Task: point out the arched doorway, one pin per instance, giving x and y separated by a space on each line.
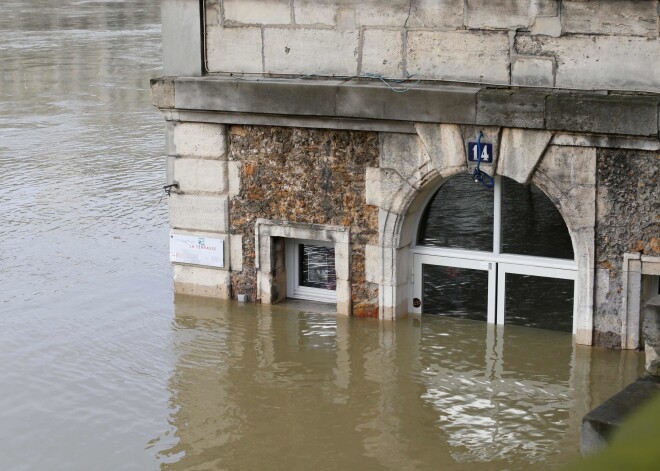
504 256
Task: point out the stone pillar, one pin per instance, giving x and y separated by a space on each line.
652 335
182 38
197 163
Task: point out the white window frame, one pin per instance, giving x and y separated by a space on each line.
497 264
293 288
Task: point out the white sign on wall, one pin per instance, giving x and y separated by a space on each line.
197 250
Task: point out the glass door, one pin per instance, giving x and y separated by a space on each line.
454 287
503 256
534 296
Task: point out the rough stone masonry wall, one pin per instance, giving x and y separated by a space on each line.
627 222
597 44
309 176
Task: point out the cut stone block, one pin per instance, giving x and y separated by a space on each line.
263 12
507 14
598 62
404 153
193 212
200 281
235 50
444 145
204 140
382 52
614 17
474 56
547 26
313 12
520 152
200 175
532 72
310 51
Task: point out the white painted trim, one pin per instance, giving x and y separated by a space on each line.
634 267
473 264
293 288
338 236
558 263
497 215
543 272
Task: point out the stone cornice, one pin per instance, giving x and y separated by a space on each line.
372 105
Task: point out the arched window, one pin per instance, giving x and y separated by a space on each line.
502 255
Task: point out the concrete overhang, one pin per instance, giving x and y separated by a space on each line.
373 105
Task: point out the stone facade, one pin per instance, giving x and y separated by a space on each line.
304 176
573 44
627 222
277 119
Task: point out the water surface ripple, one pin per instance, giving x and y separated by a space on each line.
101 370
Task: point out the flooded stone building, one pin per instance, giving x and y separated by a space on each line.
492 160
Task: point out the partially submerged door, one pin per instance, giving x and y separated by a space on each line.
503 256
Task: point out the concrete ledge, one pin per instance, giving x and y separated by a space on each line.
599 424
370 105
609 114
329 98
511 108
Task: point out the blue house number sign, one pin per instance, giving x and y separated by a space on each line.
486 152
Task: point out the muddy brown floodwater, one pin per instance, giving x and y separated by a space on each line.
102 369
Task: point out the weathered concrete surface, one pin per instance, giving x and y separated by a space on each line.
424 103
292 51
162 92
507 14
199 212
652 336
511 108
235 49
479 41
459 55
548 26
599 424
596 62
520 153
433 103
617 114
615 17
305 176
533 71
444 145
201 281
382 52
200 175
258 11
626 222
181 33
201 140
405 154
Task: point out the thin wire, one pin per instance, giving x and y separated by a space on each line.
257 76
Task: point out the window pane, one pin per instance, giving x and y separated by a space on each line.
531 224
317 267
534 301
455 292
460 215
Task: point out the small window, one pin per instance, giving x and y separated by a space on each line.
310 267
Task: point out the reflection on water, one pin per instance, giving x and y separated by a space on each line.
296 387
100 371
